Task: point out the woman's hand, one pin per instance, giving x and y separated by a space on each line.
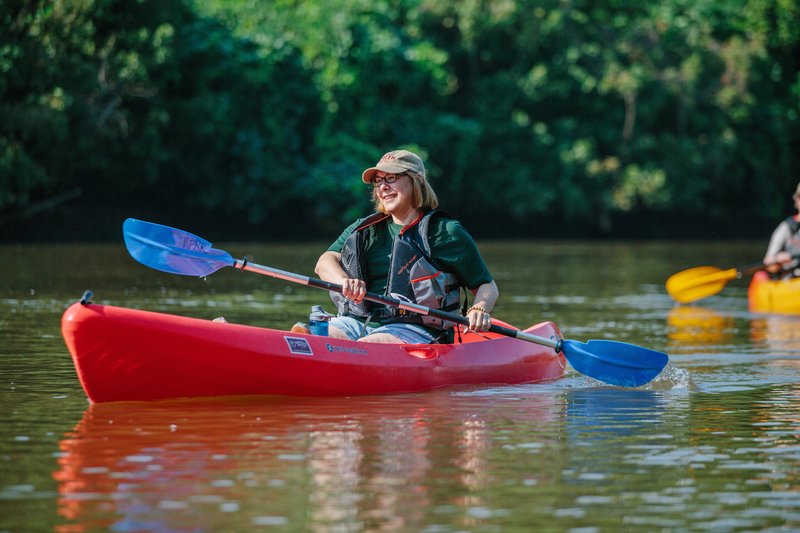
329 268
478 315
479 319
353 289
773 263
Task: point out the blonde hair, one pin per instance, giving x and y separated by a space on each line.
422 197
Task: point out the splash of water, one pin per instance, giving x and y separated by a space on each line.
672 377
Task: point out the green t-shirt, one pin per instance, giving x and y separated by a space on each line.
452 249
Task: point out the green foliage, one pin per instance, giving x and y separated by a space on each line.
244 109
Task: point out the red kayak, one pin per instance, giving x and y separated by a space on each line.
125 354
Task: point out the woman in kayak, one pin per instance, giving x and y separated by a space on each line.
783 253
408 250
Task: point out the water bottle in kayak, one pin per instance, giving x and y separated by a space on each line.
318 321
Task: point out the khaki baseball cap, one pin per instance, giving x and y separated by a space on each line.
396 162
797 192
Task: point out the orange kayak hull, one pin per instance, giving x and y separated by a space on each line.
774 296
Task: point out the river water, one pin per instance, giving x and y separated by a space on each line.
713 444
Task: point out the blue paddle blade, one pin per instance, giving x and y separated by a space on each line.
172 250
616 363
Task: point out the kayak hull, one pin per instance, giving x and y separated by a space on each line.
125 354
774 296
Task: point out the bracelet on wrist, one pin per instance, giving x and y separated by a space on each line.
476 308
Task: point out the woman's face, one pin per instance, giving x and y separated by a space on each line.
397 196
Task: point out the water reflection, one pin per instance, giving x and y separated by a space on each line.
698 326
776 333
612 412
249 461
693 329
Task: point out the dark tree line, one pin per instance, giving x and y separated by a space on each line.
537 118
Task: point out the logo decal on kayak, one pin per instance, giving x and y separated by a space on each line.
332 348
298 345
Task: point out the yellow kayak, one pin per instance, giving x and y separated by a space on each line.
774 296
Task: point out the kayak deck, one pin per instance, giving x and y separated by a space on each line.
124 354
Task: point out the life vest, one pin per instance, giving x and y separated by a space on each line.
793 245
794 226
413 275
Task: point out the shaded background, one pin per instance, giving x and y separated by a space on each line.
253 120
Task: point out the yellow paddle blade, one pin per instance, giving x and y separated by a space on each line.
698 283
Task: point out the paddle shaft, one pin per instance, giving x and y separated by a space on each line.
750 269
555 344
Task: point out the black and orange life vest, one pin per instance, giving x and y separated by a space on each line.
413 275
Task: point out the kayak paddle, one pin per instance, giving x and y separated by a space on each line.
178 252
701 282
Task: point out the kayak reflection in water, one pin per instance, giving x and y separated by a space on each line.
409 250
783 253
